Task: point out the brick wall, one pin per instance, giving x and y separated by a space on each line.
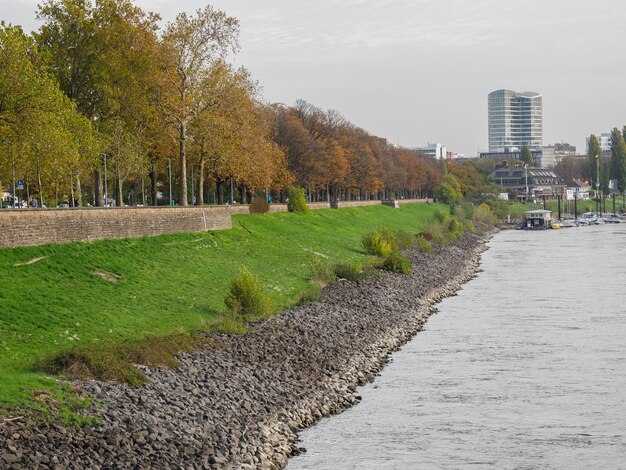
42 226
28 227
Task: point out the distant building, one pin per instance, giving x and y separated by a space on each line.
540 182
564 150
436 150
577 189
543 157
515 120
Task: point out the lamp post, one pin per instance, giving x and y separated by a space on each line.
597 181
169 177
106 190
526 178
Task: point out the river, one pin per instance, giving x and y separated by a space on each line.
524 369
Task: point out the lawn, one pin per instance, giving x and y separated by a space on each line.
108 292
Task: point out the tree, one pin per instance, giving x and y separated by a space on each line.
594 152
618 159
40 128
192 44
104 55
526 156
450 190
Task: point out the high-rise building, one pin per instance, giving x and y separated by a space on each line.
515 120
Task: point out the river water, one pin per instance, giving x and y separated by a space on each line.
524 369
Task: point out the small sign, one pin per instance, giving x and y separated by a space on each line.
20 184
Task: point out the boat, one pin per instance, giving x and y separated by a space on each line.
612 219
538 219
590 217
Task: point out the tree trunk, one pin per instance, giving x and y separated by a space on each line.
219 189
79 191
118 188
133 194
153 184
183 165
98 188
201 180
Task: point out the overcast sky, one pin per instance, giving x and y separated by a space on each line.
417 71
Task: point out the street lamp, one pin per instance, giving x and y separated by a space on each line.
169 177
106 190
598 182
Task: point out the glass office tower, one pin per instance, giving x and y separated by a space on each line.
515 120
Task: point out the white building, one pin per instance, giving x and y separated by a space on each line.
515 120
604 140
437 151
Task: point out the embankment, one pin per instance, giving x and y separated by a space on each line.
240 405
32 227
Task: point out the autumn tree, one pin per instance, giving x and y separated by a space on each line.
104 56
191 45
40 128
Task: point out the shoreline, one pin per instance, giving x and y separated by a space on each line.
241 404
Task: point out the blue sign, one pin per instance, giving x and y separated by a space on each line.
20 184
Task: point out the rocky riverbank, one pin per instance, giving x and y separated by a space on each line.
241 404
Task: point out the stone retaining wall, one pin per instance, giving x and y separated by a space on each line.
29 227
44 226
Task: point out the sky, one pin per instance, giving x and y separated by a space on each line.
418 71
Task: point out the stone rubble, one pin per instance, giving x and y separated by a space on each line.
241 404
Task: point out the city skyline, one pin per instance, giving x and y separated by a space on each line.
418 72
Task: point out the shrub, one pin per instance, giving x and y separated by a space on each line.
380 242
404 240
423 244
441 216
483 218
308 296
297 199
246 296
469 226
437 231
455 229
322 272
396 262
348 271
259 205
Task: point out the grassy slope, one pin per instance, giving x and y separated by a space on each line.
165 284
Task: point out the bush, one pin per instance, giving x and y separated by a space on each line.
297 200
380 242
484 218
437 231
455 229
404 240
246 296
441 216
348 271
423 244
396 262
322 272
308 296
259 205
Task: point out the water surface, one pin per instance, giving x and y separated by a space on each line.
524 369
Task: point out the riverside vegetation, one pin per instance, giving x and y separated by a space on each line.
106 305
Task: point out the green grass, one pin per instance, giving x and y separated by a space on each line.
172 284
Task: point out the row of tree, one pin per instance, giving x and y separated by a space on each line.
600 168
103 94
